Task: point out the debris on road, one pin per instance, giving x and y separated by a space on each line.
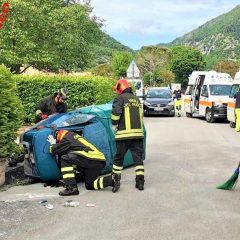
46 204
70 203
90 205
2 233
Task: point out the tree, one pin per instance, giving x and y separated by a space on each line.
185 61
160 77
48 35
227 66
152 58
11 113
103 70
120 63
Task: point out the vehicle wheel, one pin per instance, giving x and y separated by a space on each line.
145 114
172 114
232 124
189 115
209 116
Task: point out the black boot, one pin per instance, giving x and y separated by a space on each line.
140 183
69 190
116 182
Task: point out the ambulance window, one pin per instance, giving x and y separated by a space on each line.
234 89
204 91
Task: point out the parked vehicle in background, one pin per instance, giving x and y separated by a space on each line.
159 101
138 85
231 116
207 95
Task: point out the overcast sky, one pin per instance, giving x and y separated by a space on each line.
138 23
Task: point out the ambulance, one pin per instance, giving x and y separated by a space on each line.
231 102
207 95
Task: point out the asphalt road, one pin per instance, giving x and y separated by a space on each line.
186 160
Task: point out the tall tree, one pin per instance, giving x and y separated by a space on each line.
226 66
120 63
48 35
152 58
185 61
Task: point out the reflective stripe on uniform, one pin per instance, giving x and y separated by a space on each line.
129 135
117 167
101 182
94 153
130 131
127 118
69 175
139 173
66 169
141 117
98 181
95 183
139 167
115 117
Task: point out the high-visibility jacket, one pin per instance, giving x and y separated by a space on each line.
74 143
127 116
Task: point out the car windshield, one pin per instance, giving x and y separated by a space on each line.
221 90
159 93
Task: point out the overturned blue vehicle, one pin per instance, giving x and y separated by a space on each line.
93 123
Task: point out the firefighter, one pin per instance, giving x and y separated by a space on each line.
178 102
76 153
52 104
237 111
127 122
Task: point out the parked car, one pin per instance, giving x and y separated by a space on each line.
159 100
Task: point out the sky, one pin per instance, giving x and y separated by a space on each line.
137 23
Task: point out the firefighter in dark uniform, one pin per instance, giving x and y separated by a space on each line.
127 120
52 104
76 153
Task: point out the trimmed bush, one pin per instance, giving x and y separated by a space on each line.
84 91
11 113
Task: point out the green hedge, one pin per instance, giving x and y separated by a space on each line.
11 113
84 91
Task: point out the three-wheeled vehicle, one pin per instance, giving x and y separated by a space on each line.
93 123
207 95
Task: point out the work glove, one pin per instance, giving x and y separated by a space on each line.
51 139
44 116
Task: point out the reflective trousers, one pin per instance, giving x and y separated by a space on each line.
237 112
91 170
136 148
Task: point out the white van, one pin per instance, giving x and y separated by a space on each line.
138 85
231 102
207 95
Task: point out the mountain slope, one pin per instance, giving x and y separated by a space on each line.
104 50
218 38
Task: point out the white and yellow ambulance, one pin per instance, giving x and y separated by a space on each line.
231 102
207 95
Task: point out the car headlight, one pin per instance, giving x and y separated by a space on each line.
170 103
147 103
